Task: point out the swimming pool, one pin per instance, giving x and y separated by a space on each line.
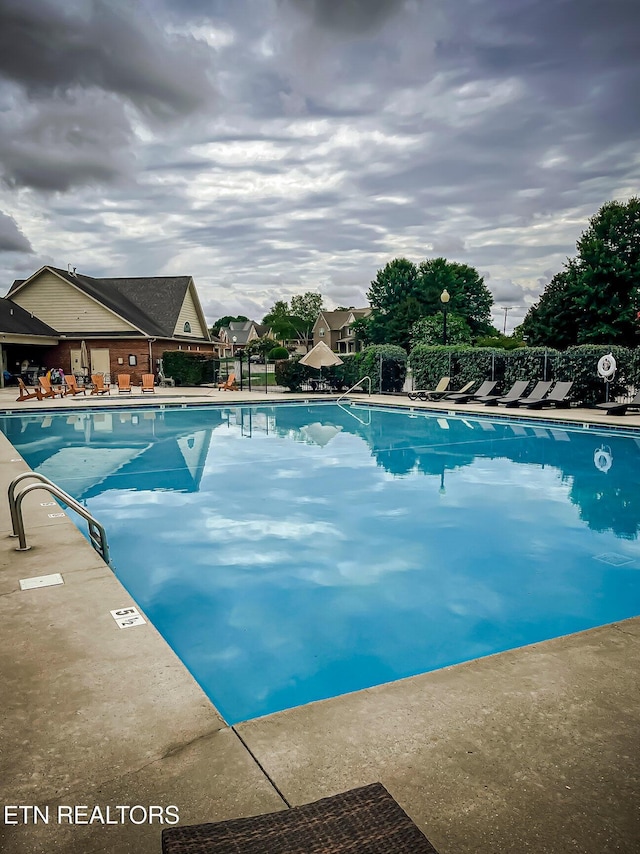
290 553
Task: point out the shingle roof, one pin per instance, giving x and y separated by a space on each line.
150 303
337 319
241 329
14 320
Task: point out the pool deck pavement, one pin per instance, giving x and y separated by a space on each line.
536 749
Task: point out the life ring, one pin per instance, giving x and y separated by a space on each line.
607 367
602 459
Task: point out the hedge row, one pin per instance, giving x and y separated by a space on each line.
386 364
579 364
188 368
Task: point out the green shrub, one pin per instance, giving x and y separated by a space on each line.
386 364
188 368
278 353
291 374
430 363
580 364
530 363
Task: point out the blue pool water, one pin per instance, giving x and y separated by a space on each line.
294 553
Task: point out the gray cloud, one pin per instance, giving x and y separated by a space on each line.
339 136
349 16
50 47
65 143
11 237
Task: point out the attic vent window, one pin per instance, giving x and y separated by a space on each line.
187 327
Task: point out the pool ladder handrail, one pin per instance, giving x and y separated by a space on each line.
368 379
97 534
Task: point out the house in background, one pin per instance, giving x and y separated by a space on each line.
124 325
24 339
239 333
335 329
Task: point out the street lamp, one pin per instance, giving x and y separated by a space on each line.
233 344
444 299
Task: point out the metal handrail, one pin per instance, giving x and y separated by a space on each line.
368 379
97 534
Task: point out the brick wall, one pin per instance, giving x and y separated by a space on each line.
60 356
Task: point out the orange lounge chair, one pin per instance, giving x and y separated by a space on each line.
72 385
99 386
124 383
229 384
47 390
148 383
26 394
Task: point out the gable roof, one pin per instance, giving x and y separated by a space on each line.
242 329
152 304
337 319
15 320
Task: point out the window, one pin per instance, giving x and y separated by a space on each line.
187 326
133 360
321 331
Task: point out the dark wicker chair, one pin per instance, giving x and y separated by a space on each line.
365 820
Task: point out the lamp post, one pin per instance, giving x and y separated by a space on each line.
444 299
233 344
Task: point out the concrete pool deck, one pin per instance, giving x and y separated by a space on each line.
536 749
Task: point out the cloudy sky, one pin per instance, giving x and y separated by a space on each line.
270 147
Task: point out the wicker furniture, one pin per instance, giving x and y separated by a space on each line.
362 821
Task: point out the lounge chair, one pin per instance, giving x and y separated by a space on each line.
537 393
485 388
124 384
363 819
431 394
465 388
47 390
517 390
25 393
557 397
99 386
72 385
148 383
614 407
229 384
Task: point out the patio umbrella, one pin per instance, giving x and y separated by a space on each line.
321 356
84 358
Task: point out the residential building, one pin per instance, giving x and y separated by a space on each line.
114 325
335 328
239 333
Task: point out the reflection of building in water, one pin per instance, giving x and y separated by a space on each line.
86 453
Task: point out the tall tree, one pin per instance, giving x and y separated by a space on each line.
402 294
555 319
470 297
430 330
278 311
392 285
307 306
609 273
597 297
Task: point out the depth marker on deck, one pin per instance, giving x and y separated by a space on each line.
127 617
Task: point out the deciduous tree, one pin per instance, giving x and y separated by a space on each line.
596 298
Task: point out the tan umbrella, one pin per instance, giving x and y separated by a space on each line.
84 358
321 356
